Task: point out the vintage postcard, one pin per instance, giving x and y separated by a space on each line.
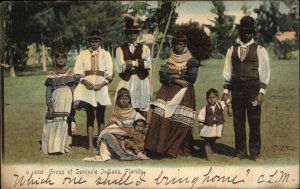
150 94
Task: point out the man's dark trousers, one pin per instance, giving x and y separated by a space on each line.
243 94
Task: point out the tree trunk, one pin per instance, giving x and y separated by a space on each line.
152 50
113 52
43 59
109 48
38 53
2 48
159 49
11 63
2 34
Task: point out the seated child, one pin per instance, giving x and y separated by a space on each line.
136 140
211 120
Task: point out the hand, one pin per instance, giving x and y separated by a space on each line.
225 97
87 84
259 99
140 62
49 114
181 82
122 145
229 110
112 120
97 87
128 65
201 125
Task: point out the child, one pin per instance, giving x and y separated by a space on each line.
211 120
135 142
56 137
94 70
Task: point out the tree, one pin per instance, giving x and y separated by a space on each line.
156 19
270 21
246 10
293 20
267 22
19 32
221 31
50 23
72 20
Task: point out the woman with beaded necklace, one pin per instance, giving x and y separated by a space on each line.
56 137
170 131
124 135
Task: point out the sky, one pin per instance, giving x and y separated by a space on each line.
199 11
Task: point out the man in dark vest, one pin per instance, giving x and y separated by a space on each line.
133 65
246 74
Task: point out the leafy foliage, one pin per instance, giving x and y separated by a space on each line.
63 22
198 42
221 31
267 22
270 21
155 21
159 17
283 49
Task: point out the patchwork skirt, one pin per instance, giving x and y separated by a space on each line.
172 135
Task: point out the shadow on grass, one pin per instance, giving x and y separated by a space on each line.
81 141
218 148
33 70
24 74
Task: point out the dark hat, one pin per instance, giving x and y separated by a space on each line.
179 36
131 26
247 24
94 34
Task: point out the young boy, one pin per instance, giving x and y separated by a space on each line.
94 70
211 120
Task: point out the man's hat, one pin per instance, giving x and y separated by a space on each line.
247 24
131 26
94 34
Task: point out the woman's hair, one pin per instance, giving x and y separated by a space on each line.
212 91
123 92
94 34
140 120
179 36
59 50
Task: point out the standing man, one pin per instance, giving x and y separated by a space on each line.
133 65
246 74
94 70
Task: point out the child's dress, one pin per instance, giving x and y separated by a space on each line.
56 137
213 120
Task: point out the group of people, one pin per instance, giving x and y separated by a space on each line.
169 133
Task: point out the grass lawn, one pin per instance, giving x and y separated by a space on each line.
25 109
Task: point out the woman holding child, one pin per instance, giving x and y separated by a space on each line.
125 133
